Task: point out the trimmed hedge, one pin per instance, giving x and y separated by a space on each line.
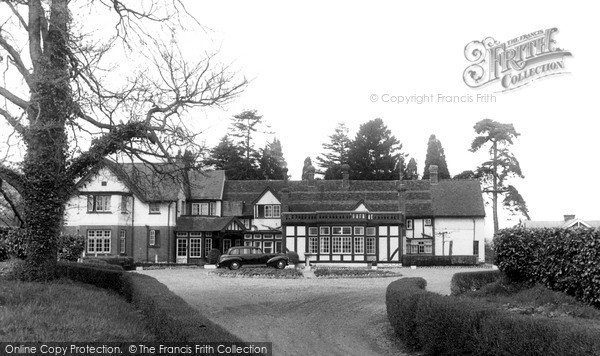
414 260
126 262
564 260
447 325
168 316
468 281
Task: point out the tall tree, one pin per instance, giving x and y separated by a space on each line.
245 125
502 165
71 106
228 156
336 153
307 163
272 162
435 155
375 152
411 172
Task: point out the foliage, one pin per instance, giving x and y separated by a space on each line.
227 156
335 153
125 262
15 242
466 175
71 247
447 325
213 256
411 172
375 153
94 274
244 127
4 255
435 156
264 272
64 311
425 260
469 281
353 273
502 165
293 257
271 162
564 260
170 317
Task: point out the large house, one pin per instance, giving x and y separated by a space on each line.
175 215
569 222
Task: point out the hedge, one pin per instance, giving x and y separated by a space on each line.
414 260
565 260
168 316
126 262
468 281
448 325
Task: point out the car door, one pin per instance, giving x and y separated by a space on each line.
261 258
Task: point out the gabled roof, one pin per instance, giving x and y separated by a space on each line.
210 224
267 189
593 224
451 198
206 185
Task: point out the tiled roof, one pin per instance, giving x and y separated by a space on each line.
559 223
206 185
454 198
196 223
157 182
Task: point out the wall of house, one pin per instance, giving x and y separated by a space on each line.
266 223
462 232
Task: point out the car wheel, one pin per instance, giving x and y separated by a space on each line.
280 264
234 265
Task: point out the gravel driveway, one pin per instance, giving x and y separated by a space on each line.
301 316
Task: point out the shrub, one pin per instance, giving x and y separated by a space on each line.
103 277
125 262
565 260
293 257
414 260
261 272
213 256
469 281
16 243
4 255
401 299
70 247
170 317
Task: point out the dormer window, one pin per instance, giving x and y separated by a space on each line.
208 208
98 203
272 211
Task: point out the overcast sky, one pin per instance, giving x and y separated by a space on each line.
315 63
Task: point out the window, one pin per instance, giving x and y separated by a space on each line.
313 244
371 231
226 244
324 244
196 247
247 243
313 231
272 211
213 208
98 241
346 230
278 246
324 230
208 234
195 234
336 230
336 244
278 236
98 203
122 236
153 239
182 234
359 245
257 236
409 224
237 243
208 245
182 247
346 244
247 236
257 244
268 247
104 183
200 209
417 247
154 208
427 222
268 236
359 230
370 244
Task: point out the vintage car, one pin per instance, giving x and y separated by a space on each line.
239 256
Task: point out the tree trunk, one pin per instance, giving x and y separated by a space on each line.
47 185
495 188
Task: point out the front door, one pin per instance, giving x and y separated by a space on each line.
182 251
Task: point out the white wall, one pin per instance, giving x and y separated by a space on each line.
462 232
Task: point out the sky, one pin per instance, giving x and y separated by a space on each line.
314 64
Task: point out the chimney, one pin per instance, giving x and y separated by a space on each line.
402 198
285 174
285 199
311 176
345 176
569 217
433 174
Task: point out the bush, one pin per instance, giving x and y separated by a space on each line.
70 247
564 260
125 262
414 260
16 243
213 256
4 255
293 257
469 281
103 277
170 317
261 272
447 325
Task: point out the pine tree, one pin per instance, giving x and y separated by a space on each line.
271 161
228 156
336 153
435 155
411 172
375 152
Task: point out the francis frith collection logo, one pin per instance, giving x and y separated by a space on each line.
514 63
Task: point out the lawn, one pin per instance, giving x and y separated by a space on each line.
66 311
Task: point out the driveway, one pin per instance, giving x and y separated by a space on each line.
301 316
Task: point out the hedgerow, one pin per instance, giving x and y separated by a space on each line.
449 325
566 260
469 281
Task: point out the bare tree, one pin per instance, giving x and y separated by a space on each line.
69 105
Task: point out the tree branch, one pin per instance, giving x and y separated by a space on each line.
12 177
16 60
14 10
14 122
23 104
12 205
